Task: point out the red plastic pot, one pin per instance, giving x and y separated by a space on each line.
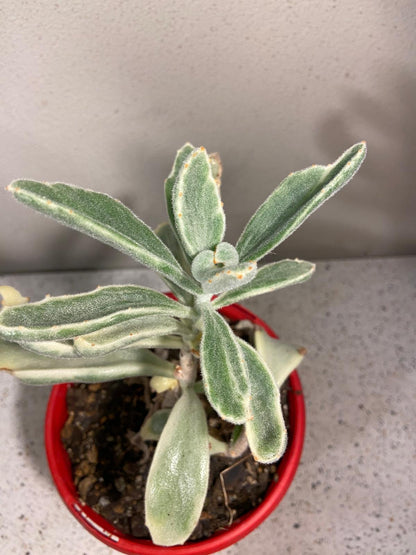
60 468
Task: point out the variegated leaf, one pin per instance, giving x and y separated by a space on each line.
223 368
119 336
36 369
281 358
295 199
181 156
269 278
178 478
68 316
105 219
265 427
197 207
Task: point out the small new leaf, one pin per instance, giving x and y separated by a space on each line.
219 271
208 263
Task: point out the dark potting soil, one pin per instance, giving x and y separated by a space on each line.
110 461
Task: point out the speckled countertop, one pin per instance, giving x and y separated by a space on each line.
355 490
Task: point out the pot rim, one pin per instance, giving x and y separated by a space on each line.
60 468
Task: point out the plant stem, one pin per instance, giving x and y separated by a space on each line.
186 371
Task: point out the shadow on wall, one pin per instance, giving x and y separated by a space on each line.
388 199
375 215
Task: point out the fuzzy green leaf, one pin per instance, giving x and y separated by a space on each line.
167 235
178 477
300 194
281 358
105 219
269 278
197 207
181 156
119 336
223 368
68 316
265 426
36 369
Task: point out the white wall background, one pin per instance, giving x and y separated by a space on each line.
101 94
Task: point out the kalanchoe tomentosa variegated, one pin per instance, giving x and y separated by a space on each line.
107 334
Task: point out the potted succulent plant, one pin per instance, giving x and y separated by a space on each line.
116 332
